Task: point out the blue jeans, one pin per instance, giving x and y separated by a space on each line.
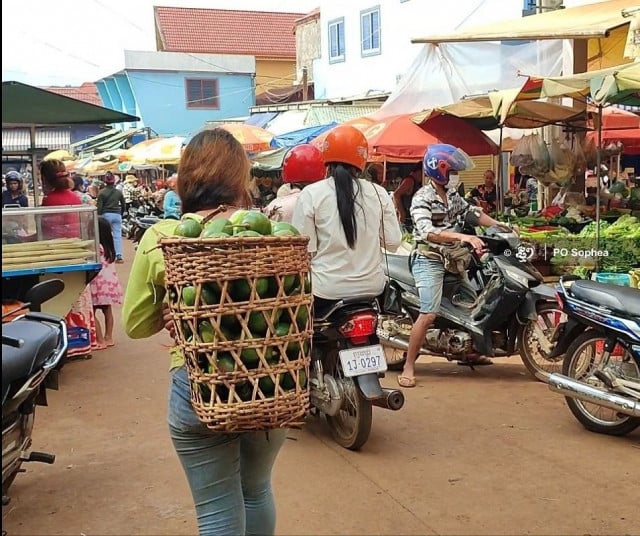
115 220
429 277
229 474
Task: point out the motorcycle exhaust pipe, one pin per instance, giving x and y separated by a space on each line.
399 343
392 399
587 393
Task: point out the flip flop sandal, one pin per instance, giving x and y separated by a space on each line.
406 381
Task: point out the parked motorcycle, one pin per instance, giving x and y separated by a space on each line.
601 344
146 216
500 307
33 344
347 362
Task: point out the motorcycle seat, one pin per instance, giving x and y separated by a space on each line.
621 299
327 312
399 269
40 340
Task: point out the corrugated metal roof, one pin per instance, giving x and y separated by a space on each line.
19 139
322 115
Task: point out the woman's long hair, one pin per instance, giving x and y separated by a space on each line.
106 239
347 189
214 170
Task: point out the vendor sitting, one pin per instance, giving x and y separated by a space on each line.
485 194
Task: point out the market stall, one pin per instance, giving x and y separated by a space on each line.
29 253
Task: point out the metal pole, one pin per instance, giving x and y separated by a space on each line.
598 163
500 196
34 165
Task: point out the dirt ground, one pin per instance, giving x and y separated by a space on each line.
489 452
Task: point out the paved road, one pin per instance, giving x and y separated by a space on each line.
472 453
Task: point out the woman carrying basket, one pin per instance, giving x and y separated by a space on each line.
229 474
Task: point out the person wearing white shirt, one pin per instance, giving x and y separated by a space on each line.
348 220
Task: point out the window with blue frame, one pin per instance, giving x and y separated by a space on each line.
336 40
370 31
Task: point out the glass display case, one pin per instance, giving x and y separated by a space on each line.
37 241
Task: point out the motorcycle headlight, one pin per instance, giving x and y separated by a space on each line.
517 276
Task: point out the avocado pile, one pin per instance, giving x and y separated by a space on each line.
267 319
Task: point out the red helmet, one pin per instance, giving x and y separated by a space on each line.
303 164
347 145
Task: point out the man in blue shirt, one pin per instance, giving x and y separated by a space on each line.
171 205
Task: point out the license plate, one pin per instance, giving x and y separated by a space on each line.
363 360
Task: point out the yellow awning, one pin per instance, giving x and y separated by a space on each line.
582 22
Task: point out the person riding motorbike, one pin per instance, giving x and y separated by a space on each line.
14 194
434 210
302 165
346 218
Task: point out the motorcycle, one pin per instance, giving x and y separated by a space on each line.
347 363
499 307
33 345
146 216
601 344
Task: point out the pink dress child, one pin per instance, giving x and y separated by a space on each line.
105 287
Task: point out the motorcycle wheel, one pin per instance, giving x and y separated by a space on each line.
534 357
351 426
583 357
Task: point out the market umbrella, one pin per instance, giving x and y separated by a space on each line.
361 123
619 126
614 85
253 139
60 154
495 110
164 151
398 137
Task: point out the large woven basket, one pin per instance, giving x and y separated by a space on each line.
242 314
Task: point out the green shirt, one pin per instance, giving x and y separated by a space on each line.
143 299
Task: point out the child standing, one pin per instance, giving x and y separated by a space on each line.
106 290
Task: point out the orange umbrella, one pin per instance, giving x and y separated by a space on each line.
361 123
396 138
253 139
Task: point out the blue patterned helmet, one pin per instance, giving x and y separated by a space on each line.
442 158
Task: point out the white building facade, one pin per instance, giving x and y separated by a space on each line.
366 44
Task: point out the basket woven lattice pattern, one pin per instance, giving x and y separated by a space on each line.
241 307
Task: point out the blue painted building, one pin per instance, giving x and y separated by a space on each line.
175 94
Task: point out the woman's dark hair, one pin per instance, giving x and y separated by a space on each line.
346 191
78 183
214 170
106 239
55 175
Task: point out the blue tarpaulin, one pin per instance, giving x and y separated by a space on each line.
260 119
304 135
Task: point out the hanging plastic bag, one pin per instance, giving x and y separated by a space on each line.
580 162
531 155
590 153
562 164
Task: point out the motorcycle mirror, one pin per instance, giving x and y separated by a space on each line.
42 292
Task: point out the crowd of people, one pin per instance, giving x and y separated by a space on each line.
330 196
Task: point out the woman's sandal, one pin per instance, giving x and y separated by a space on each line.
406 381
